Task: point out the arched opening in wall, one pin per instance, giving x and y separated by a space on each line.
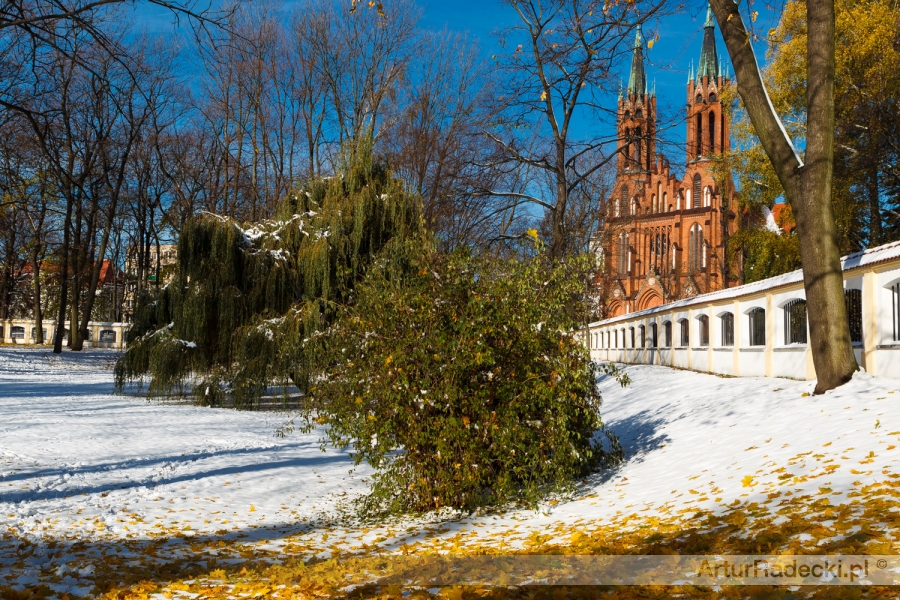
615 309
712 97
853 300
699 99
727 321
624 341
642 335
43 333
631 335
667 334
795 322
654 338
703 330
654 203
757 319
17 332
623 202
649 299
894 288
698 134
659 206
616 338
697 191
638 114
712 132
685 333
665 201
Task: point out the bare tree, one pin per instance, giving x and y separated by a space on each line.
559 63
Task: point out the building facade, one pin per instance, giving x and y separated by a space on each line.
665 235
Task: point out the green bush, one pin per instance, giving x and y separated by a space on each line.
461 380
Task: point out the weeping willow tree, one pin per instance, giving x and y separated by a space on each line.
248 300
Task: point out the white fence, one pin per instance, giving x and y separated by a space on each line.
760 329
100 335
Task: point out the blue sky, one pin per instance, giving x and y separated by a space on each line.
680 37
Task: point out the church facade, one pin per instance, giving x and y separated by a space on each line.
665 236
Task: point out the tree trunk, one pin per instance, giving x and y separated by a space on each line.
64 282
808 187
38 312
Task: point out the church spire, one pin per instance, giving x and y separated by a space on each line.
709 59
637 81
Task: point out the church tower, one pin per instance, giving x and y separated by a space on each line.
707 125
636 117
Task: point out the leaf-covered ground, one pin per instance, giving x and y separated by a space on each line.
112 496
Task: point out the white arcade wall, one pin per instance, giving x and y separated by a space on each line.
760 329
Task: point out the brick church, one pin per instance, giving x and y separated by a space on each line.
665 236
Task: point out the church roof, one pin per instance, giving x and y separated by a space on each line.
709 59
637 81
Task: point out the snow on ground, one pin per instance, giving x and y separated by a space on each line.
85 473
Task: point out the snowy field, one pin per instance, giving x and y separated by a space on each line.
93 485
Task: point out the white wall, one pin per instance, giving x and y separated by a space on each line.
879 353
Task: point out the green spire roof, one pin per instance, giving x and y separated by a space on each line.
637 81
709 59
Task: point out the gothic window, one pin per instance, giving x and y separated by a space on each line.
757 318
623 202
699 99
698 136
654 203
657 208
685 332
638 157
667 334
624 344
712 132
616 338
853 300
623 253
665 201
643 335
697 191
654 340
712 97
695 248
631 331
795 322
638 114
728 329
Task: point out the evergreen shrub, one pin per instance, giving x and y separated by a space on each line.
461 379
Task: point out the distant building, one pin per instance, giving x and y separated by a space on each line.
167 258
665 237
168 255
